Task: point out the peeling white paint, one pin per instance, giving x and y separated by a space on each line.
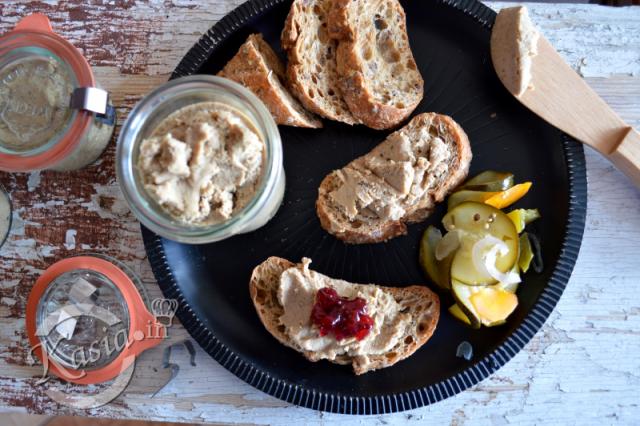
4 284
33 181
70 239
111 193
9 301
48 250
50 203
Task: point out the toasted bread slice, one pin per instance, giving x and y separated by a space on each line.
400 181
257 67
418 301
379 78
311 68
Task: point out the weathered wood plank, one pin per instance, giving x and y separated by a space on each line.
581 368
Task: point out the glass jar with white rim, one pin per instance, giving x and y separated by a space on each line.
170 98
52 115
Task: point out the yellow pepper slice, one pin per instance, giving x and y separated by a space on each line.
493 306
506 198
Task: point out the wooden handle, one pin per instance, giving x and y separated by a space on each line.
626 156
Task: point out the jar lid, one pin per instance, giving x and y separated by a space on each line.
87 322
38 126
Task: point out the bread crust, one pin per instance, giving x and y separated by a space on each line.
311 67
258 68
381 90
419 299
354 233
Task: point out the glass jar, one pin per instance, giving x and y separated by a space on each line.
52 115
169 98
88 318
6 215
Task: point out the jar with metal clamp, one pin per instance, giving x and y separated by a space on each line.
52 114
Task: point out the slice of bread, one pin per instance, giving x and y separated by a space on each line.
311 68
400 181
257 67
379 77
419 302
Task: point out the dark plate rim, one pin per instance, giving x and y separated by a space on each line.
390 403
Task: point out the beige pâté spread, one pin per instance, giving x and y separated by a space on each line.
203 163
391 178
297 292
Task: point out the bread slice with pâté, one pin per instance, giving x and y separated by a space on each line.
257 67
378 75
419 306
400 181
311 66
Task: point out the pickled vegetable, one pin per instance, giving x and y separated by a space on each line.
430 266
474 221
462 294
506 198
490 181
537 263
459 314
448 245
526 253
493 306
460 197
482 255
523 217
511 287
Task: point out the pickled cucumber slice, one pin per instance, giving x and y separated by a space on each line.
428 244
462 294
459 314
523 217
460 197
473 221
526 253
490 181
447 245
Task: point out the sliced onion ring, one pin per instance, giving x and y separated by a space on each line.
484 255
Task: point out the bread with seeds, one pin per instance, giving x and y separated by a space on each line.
378 76
416 312
373 198
311 67
257 67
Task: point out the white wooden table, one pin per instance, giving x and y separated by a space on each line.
583 367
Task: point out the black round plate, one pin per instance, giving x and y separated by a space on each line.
450 41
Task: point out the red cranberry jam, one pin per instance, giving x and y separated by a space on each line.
340 316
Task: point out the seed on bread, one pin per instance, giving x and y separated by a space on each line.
420 303
311 67
400 181
257 67
378 76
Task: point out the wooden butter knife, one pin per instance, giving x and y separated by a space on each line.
562 98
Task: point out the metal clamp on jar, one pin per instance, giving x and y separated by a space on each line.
52 115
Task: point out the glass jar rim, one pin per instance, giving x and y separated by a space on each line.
131 136
35 31
5 193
